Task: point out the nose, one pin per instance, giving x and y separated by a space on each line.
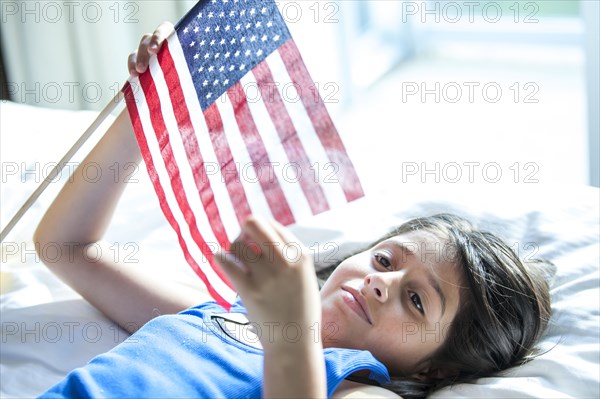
376 286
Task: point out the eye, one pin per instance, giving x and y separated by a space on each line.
416 300
383 261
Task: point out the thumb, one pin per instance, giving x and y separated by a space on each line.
231 264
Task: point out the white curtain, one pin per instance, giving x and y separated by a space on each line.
72 54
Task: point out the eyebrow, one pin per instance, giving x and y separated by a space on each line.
436 286
430 277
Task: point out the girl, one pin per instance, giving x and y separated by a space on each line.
433 303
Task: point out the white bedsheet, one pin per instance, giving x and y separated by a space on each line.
47 329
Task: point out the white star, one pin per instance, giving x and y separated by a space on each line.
232 13
205 83
211 68
232 41
227 54
210 15
243 39
207 29
242 13
217 55
186 30
269 24
276 37
252 11
248 25
231 68
259 52
216 82
199 15
238 26
242 67
218 28
221 69
196 29
221 14
196 56
201 69
253 39
192 44
237 53
212 42
222 42
226 81
202 43
263 10
209 95
206 56
264 38
227 28
257 25
247 53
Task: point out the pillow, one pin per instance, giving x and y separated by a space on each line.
558 223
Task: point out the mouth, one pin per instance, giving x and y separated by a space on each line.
357 303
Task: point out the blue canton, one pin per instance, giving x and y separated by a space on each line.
224 39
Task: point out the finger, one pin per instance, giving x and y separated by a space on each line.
237 271
284 233
142 54
131 64
246 251
158 37
260 231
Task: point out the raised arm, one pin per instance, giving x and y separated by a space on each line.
81 213
279 292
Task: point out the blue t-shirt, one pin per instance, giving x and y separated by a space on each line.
190 355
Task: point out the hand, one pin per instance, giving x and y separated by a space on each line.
149 45
274 274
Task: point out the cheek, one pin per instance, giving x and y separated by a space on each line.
341 274
402 348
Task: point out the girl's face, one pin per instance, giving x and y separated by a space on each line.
396 300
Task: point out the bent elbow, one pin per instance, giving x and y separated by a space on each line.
42 239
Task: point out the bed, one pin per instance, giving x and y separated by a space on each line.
47 329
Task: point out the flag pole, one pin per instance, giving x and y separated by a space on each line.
61 164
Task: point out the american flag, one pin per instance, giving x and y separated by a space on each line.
230 123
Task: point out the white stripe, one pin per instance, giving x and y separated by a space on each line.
164 179
185 170
248 176
325 172
283 169
217 182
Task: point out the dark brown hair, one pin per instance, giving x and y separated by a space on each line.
503 310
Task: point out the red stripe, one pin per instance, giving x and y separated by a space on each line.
164 143
228 167
289 137
260 158
192 149
322 122
141 139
